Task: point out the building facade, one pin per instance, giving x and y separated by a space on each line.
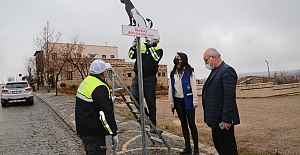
72 77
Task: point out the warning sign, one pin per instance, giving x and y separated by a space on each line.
139 32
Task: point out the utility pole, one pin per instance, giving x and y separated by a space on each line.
268 69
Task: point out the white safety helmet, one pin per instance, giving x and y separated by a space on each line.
99 66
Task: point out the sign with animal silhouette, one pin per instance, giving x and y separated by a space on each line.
135 18
138 25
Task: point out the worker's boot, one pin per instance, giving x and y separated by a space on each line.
186 151
153 131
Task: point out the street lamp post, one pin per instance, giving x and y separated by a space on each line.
268 69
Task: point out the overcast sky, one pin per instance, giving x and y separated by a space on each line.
246 33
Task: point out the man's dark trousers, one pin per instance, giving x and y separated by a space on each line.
94 145
149 94
224 141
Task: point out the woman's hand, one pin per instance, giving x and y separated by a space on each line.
195 105
172 107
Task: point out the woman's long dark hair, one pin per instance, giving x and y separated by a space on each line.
183 66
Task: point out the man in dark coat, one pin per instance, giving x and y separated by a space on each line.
219 102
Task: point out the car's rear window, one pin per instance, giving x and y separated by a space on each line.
17 85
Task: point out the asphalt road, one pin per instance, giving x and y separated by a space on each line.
48 127
35 129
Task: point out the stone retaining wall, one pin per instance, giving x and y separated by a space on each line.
262 90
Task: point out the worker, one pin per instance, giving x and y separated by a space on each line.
151 54
94 113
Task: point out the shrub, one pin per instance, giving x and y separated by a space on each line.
73 87
63 85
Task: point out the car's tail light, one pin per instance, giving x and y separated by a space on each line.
28 89
4 90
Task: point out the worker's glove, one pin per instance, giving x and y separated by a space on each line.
113 98
148 45
134 43
114 141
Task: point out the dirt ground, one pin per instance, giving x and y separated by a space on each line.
268 125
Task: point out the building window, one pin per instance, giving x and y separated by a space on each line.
112 56
54 56
103 56
129 74
163 74
69 76
92 55
159 74
78 55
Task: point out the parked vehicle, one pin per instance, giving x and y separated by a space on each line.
17 91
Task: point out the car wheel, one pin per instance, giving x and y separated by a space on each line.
3 104
31 102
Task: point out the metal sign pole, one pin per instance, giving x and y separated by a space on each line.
141 95
110 75
113 100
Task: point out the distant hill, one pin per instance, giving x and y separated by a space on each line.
265 74
262 74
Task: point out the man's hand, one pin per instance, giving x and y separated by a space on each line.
114 140
148 45
226 125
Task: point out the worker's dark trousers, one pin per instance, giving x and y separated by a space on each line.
149 94
94 145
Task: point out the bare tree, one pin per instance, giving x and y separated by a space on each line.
30 68
45 41
58 62
62 57
81 62
298 75
284 77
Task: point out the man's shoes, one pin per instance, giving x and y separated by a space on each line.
186 151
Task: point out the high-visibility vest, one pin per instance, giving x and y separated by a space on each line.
87 87
144 48
152 51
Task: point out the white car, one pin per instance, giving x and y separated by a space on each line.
17 91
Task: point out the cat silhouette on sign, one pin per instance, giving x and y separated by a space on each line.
135 18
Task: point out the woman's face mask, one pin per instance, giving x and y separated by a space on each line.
176 61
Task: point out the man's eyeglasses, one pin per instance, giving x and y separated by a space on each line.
205 59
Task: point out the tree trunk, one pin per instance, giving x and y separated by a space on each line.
56 80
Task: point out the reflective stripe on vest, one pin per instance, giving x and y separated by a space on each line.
144 48
152 51
87 87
